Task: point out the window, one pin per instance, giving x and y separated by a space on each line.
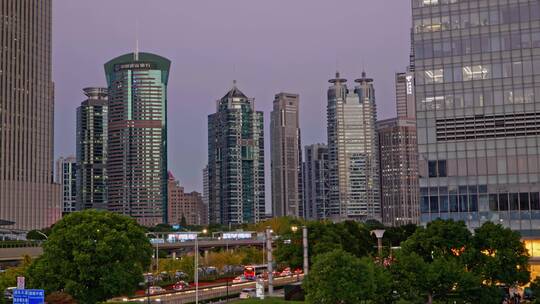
433 76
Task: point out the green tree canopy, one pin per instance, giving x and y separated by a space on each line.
499 256
441 238
340 277
93 256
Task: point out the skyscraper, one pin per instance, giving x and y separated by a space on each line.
92 122
398 158
478 110
66 176
352 150
399 171
137 134
236 160
286 156
28 196
185 207
315 182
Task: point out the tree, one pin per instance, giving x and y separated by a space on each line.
441 238
93 256
535 289
8 278
443 279
499 256
340 277
433 266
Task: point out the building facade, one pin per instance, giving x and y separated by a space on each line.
315 182
478 110
185 208
236 160
352 150
399 171
92 139
66 177
28 196
405 101
137 136
286 156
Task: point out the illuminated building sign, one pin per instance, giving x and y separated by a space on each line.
409 79
130 66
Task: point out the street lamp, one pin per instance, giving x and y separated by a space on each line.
42 234
196 275
379 235
294 229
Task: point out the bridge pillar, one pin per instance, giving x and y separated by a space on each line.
174 255
206 252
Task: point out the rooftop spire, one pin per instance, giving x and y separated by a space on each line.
136 53
338 79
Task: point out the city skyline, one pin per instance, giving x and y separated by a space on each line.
193 89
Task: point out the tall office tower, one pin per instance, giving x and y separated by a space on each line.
352 150
185 208
478 110
92 122
66 177
236 160
405 102
399 171
28 196
137 134
286 156
315 182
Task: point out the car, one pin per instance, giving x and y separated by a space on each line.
8 293
155 289
180 285
286 272
298 271
239 279
248 293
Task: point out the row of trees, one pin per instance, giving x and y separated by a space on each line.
442 263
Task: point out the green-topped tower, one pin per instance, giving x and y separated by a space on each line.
137 135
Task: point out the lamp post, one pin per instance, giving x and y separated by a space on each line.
42 234
196 275
305 243
270 266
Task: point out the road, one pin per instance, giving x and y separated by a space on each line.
206 293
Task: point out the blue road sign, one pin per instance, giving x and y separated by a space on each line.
28 296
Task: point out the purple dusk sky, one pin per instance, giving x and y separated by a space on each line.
268 46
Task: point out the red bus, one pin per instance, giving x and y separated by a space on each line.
252 271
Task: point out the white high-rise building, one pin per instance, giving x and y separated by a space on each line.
352 150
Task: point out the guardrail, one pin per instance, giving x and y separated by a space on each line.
20 244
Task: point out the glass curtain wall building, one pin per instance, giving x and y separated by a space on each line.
478 110
315 182
236 161
66 176
286 156
137 135
92 122
352 150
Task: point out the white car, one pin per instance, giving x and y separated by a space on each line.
248 293
239 279
155 289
